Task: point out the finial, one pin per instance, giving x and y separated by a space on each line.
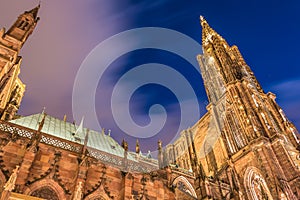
79 129
149 154
34 12
137 146
65 118
202 18
43 111
109 131
125 145
159 144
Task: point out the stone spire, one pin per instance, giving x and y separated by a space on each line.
208 34
221 64
206 29
233 91
34 12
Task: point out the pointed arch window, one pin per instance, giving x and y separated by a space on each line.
257 188
24 24
45 193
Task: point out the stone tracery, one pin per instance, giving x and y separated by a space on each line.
45 193
257 188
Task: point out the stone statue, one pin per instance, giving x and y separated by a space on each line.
149 154
159 145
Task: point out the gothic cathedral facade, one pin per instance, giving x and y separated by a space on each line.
244 147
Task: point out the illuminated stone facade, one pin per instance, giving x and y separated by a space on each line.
42 157
50 167
244 147
11 42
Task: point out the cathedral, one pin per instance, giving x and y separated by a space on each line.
244 147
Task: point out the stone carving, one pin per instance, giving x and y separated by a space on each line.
45 193
10 184
78 191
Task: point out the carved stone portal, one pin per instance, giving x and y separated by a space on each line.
45 193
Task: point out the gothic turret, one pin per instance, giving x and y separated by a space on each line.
23 27
11 87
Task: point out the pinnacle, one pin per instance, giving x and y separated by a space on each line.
207 31
34 11
202 19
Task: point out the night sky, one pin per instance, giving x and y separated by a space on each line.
266 33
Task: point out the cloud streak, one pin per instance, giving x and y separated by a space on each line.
288 97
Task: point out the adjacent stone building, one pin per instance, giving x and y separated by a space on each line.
244 147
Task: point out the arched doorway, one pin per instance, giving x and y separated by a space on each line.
256 186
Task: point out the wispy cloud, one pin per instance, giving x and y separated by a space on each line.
288 97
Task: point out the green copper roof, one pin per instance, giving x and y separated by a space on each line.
67 130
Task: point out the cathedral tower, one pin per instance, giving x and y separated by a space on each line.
260 142
244 147
11 42
230 83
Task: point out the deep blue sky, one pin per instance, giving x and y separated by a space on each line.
266 33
